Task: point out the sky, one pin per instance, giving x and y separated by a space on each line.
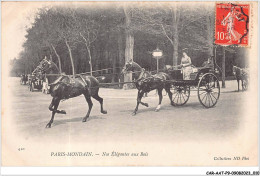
16 17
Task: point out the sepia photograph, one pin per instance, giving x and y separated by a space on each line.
130 83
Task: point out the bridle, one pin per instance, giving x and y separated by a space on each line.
49 64
127 69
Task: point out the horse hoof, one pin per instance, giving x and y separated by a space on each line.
146 104
84 120
104 112
63 112
134 113
48 126
156 110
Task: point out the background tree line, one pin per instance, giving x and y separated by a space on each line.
85 39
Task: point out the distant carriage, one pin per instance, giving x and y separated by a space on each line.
35 80
34 83
24 79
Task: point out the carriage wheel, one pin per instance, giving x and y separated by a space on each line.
180 95
245 84
208 90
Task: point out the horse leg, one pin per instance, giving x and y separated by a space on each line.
168 90
52 105
90 104
142 103
139 97
100 100
160 100
55 103
242 84
238 85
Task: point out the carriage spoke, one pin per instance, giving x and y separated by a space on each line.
178 97
211 99
203 89
206 98
203 97
213 96
203 93
175 96
183 97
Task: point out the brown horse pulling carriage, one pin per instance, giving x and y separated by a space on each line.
204 79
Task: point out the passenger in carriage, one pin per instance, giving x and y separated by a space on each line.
186 66
209 63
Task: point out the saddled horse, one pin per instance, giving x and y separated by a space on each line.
241 74
145 84
63 87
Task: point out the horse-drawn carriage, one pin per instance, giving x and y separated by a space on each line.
34 83
24 79
35 80
178 89
204 79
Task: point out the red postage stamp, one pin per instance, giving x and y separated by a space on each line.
232 24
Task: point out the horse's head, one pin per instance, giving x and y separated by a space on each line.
127 67
47 66
234 69
131 66
43 65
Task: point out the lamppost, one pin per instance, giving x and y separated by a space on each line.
157 54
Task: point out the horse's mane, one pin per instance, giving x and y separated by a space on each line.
54 65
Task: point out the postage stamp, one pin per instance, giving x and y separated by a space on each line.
232 24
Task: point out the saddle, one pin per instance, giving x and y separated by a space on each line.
71 80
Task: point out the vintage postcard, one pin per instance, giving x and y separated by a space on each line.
130 83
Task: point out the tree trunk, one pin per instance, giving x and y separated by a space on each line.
57 57
175 21
210 33
71 58
87 43
120 56
90 59
223 69
129 48
114 61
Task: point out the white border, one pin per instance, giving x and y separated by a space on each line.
125 170
119 170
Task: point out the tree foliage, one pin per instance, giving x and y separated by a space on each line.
101 39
